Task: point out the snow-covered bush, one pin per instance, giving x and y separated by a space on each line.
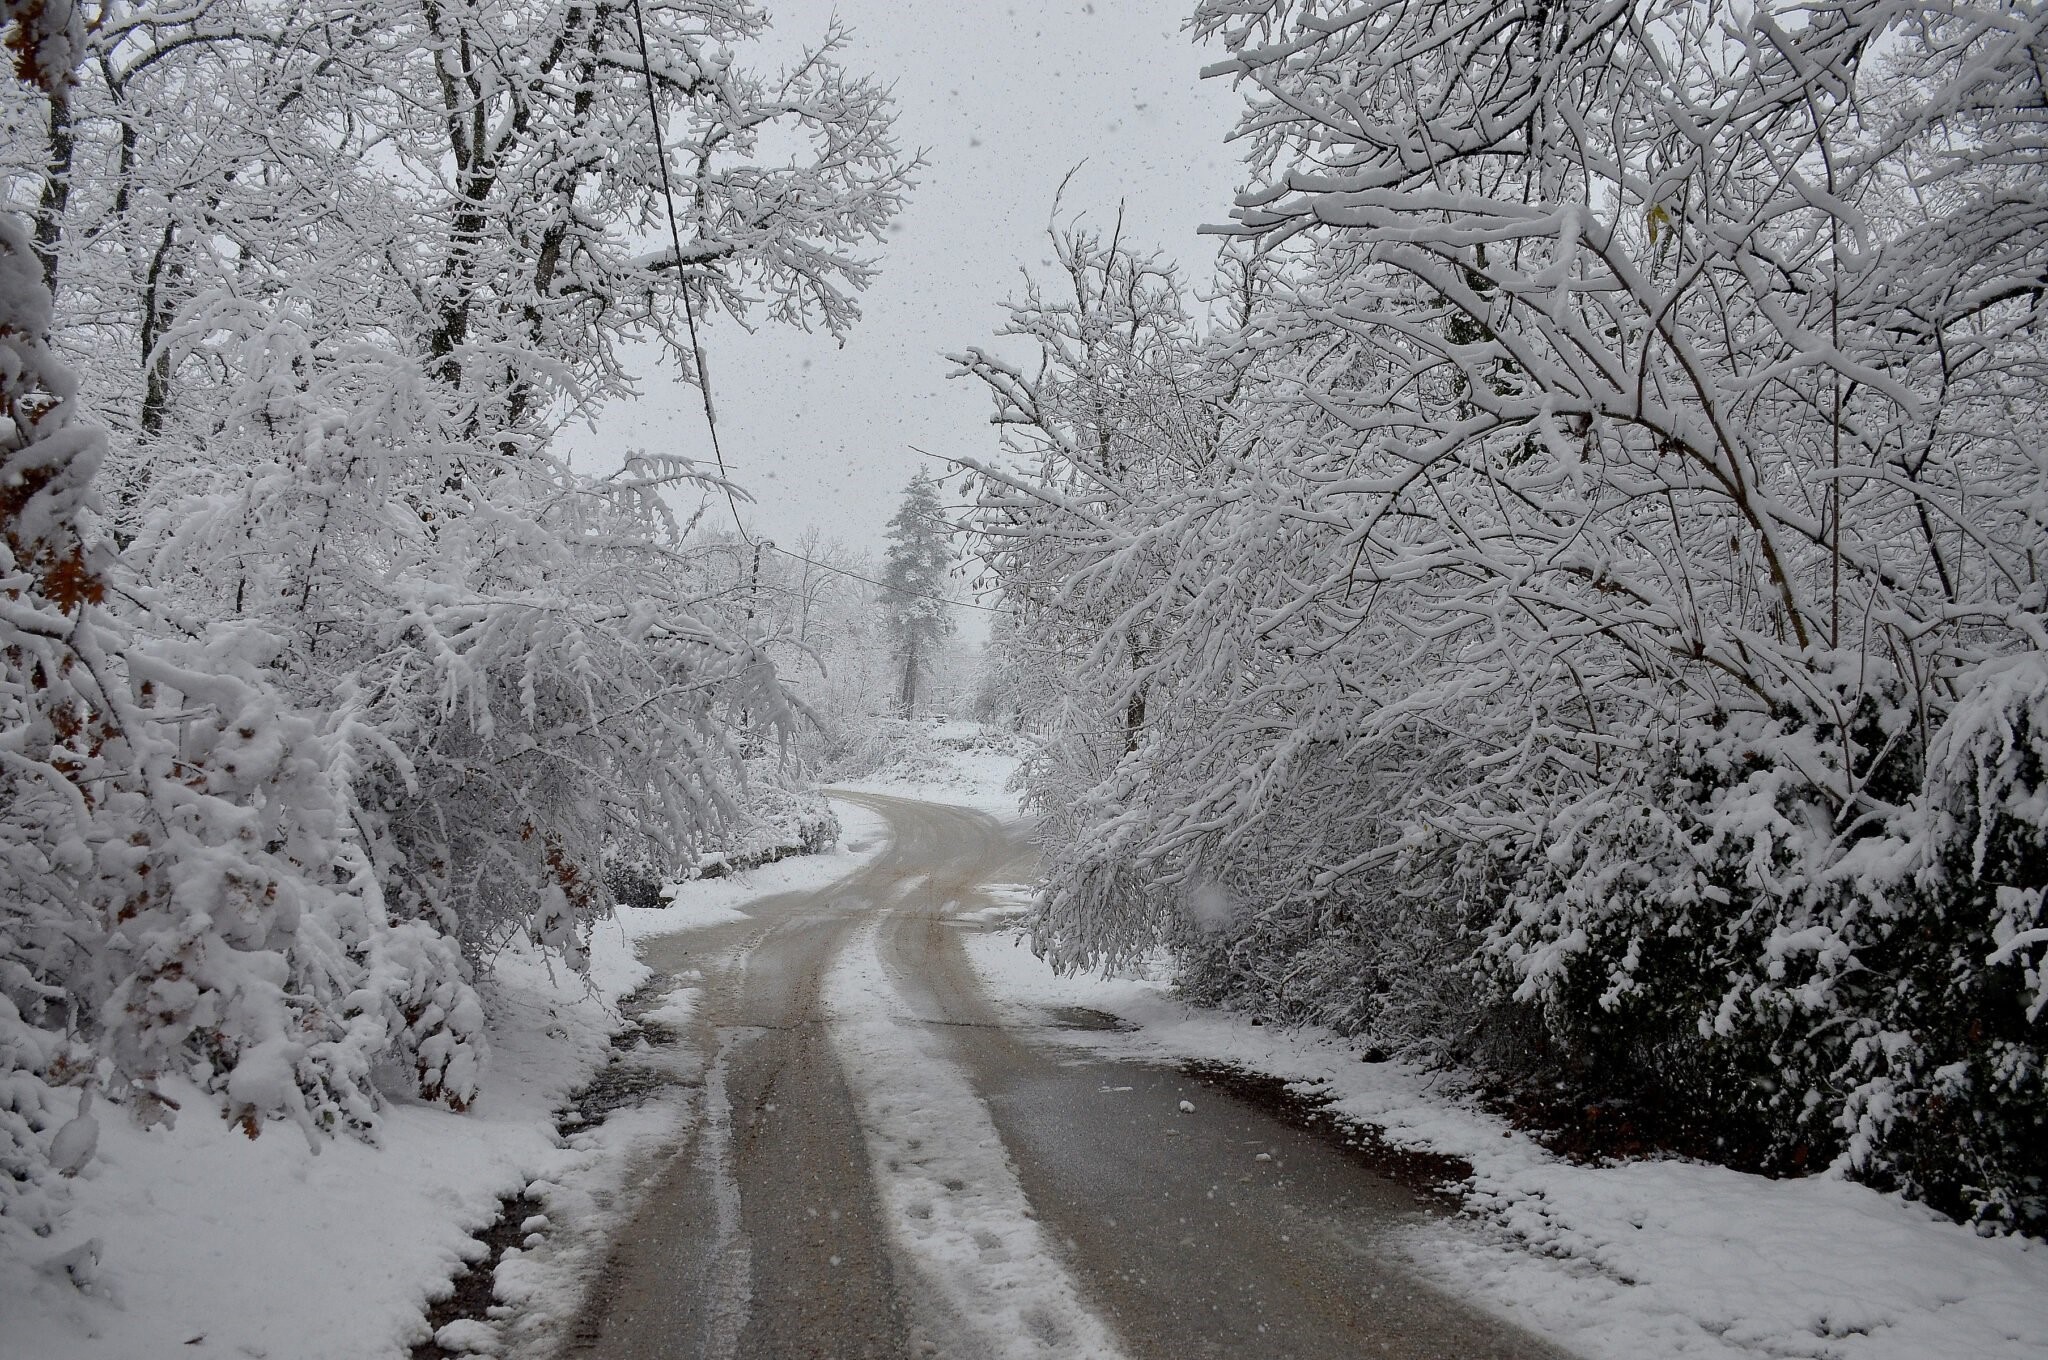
46 819
1947 1070
1690 930
776 822
873 746
1705 930
186 894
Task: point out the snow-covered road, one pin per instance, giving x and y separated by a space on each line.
885 1167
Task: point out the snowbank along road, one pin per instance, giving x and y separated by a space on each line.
884 1169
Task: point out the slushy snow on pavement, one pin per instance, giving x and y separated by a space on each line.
953 1198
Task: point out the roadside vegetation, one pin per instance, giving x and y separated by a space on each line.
1566 599
324 677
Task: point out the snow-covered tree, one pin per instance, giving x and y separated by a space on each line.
185 896
1614 573
349 679
346 295
916 571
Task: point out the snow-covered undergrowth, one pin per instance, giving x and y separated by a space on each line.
281 1249
201 1242
1646 1258
780 819
714 901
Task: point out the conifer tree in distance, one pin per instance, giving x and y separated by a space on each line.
920 554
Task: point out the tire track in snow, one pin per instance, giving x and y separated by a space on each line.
730 1286
954 1201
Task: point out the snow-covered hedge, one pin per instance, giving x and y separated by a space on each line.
1707 929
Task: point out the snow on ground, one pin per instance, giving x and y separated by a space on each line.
715 901
960 763
209 1244
1643 1259
952 1196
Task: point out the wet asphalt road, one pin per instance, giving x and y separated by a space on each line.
763 1236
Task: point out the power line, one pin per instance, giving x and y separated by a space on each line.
675 236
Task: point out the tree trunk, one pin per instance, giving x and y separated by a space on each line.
56 186
908 697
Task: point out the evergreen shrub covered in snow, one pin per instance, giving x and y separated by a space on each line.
1708 932
1948 1092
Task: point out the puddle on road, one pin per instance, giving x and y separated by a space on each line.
1088 1018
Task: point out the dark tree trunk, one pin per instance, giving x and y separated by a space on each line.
56 186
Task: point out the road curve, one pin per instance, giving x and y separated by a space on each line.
765 1234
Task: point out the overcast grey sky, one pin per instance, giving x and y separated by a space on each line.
1005 99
